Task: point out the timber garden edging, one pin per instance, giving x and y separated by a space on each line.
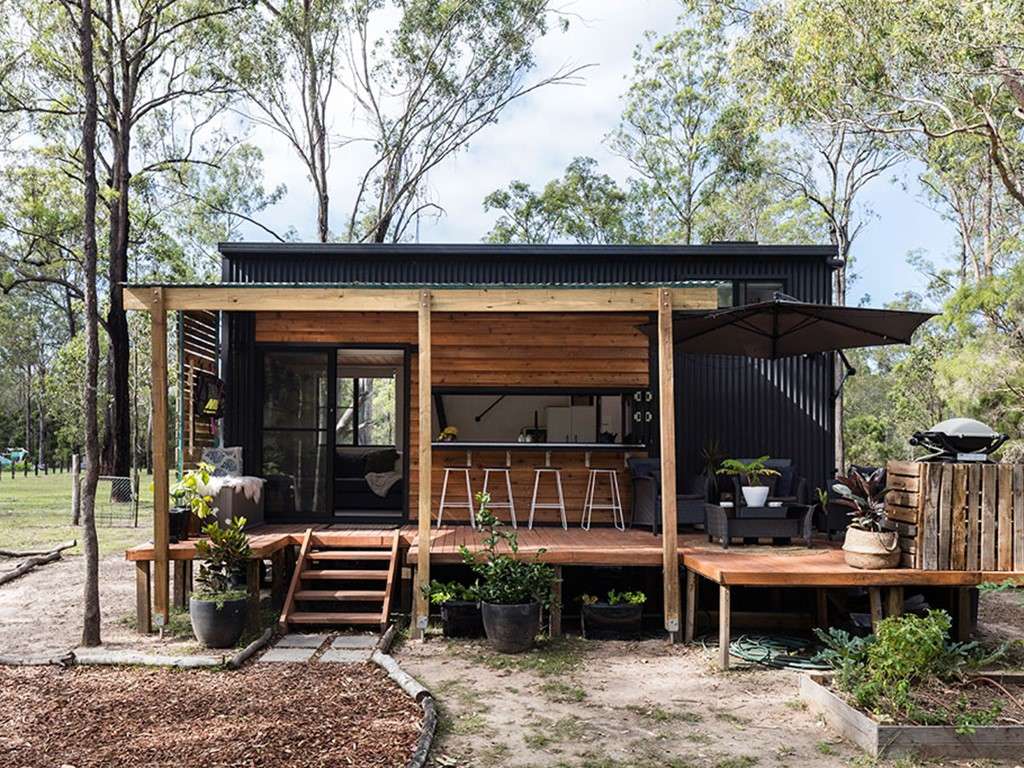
415 690
881 740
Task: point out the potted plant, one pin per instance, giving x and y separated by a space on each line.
868 544
752 476
218 605
189 502
460 608
616 619
512 591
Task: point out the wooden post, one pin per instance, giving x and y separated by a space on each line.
875 600
894 601
143 617
161 500
76 490
421 608
821 613
724 630
178 591
667 411
279 579
963 614
555 614
252 586
691 605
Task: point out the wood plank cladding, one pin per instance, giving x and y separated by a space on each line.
199 347
490 349
494 350
958 516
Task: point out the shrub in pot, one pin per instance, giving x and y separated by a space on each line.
512 591
460 608
618 618
218 607
868 544
189 503
752 476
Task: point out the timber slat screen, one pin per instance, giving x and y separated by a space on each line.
959 517
200 345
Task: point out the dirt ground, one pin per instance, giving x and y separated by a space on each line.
579 704
41 612
265 715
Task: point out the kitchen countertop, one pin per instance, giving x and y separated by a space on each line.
468 445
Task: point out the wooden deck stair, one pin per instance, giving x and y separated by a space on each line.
337 585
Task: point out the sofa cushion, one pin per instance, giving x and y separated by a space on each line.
227 462
351 464
381 461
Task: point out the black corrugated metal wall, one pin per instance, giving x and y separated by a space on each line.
750 407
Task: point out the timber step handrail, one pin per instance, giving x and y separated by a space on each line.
289 601
392 567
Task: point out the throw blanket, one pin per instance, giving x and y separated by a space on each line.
252 487
382 482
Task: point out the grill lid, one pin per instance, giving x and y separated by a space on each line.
964 428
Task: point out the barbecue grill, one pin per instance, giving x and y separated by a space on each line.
959 440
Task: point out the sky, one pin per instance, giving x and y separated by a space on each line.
537 136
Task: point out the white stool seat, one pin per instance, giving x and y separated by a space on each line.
467 504
510 502
538 473
615 505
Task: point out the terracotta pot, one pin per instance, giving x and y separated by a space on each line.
871 550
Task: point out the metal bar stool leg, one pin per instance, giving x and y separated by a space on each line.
469 501
588 501
533 501
561 499
617 502
444 494
511 498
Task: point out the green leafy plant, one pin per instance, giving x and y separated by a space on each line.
822 497
188 491
224 553
589 599
752 473
894 672
504 578
865 496
438 592
626 598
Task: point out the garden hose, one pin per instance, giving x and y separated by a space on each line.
775 651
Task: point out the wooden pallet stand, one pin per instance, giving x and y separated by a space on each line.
990 742
958 517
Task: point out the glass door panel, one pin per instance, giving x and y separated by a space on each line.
296 453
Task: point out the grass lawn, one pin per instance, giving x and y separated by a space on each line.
36 511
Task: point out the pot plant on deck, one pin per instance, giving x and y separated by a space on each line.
868 544
752 475
619 618
512 591
460 608
218 606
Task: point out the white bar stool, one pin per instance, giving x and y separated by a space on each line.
618 519
535 505
510 504
467 504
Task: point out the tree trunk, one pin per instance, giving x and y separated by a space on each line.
41 447
90 545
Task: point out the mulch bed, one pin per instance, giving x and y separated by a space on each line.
263 715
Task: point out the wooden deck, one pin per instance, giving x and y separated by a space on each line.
760 566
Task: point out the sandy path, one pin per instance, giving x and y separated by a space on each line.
41 613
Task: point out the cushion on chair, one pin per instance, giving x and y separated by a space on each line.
783 485
381 461
227 462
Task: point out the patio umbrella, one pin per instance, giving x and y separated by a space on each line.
785 327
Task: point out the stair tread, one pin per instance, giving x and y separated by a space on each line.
339 594
344 575
331 617
350 554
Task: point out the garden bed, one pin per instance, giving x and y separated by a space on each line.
265 715
1000 740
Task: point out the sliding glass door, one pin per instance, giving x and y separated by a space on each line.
296 449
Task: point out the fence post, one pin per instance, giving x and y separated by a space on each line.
76 490
135 495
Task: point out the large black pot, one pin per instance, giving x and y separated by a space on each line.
218 625
511 628
461 618
602 621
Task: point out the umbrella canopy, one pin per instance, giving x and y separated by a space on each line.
784 327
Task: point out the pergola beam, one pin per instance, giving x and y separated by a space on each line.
523 299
